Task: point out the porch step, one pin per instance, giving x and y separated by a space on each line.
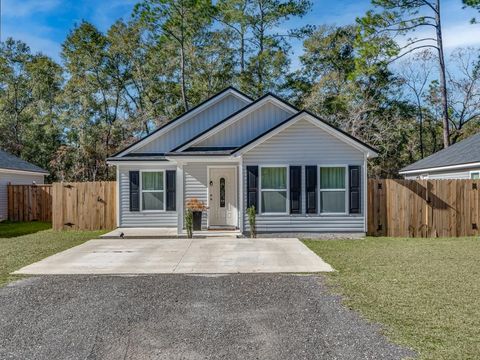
167 233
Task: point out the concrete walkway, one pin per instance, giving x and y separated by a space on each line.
182 256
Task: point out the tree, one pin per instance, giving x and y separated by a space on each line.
92 101
30 85
416 75
464 90
402 17
175 24
253 25
354 91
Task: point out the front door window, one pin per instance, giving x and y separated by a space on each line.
222 192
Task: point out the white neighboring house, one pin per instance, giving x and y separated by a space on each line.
233 152
458 161
16 171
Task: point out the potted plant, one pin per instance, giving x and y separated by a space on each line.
196 207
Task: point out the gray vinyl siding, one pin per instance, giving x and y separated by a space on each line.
438 175
305 144
194 126
14 179
138 218
195 184
249 126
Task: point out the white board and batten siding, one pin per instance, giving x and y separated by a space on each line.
15 179
194 126
140 218
305 144
248 127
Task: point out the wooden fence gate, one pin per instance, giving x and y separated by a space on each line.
84 205
29 202
423 208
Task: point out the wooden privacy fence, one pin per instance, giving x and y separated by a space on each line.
29 202
84 205
423 208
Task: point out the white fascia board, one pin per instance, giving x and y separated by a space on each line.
440 168
369 153
23 172
183 119
237 117
142 163
204 159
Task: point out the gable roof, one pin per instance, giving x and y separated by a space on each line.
304 114
233 118
185 116
11 162
461 154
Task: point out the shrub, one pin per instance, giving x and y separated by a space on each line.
189 223
252 221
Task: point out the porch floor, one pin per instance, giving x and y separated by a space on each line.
166 233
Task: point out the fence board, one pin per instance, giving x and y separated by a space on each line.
423 208
29 202
84 206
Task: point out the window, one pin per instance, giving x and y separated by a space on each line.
333 194
273 189
153 186
475 175
222 192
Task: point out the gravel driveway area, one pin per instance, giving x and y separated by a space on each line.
271 316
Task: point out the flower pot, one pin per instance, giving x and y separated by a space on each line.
197 220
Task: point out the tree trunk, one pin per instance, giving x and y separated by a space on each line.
182 74
443 82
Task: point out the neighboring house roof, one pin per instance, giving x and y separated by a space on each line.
11 162
462 154
173 122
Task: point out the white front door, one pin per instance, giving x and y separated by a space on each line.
222 201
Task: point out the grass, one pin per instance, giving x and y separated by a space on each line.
22 250
425 291
10 229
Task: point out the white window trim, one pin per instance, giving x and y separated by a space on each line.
320 189
474 172
287 189
162 191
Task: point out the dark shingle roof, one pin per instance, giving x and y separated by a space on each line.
463 152
11 162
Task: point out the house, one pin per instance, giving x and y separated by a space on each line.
232 152
458 161
14 170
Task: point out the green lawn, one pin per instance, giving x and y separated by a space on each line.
425 291
18 251
10 229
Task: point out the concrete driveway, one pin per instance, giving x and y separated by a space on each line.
182 256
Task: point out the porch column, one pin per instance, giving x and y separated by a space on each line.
240 195
180 197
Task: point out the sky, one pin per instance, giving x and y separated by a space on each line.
44 24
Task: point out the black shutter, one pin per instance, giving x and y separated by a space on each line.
311 189
354 189
295 189
134 177
252 187
171 190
